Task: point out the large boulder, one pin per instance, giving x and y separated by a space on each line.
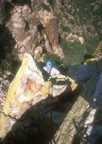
33 28
27 86
26 90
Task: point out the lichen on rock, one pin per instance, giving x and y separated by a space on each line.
27 84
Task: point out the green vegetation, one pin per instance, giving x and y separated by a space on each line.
72 21
59 17
98 11
66 15
8 65
62 2
65 28
86 15
52 56
91 44
75 51
55 58
5 65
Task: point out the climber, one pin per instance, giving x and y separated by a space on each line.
56 79
50 69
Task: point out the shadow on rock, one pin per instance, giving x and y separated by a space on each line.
39 123
7 42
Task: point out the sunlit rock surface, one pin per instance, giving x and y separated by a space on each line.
23 91
33 28
27 89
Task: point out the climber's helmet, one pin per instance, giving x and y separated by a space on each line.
49 64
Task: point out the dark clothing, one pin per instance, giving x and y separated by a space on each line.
83 72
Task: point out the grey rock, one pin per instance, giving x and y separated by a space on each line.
19 9
26 11
16 17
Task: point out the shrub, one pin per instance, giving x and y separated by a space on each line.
5 65
62 2
65 28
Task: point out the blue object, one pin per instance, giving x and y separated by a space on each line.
49 64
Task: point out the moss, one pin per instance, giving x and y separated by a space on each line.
52 56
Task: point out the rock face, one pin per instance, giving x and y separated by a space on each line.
53 26
27 89
49 23
28 25
27 84
35 30
67 130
